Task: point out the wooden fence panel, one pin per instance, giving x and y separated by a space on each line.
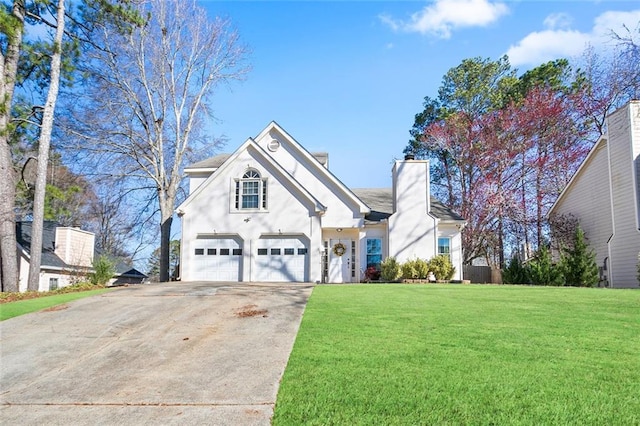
481 274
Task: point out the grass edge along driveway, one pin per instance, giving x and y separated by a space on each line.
21 307
446 354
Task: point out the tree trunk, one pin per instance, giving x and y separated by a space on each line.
8 248
43 154
8 71
165 238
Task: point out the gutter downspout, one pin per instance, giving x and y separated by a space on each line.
613 219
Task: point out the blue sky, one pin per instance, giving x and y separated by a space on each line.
348 77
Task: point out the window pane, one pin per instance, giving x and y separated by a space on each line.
289 251
211 252
250 194
444 246
262 252
374 246
264 194
224 252
374 252
237 195
237 252
251 174
374 260
199 251
302 251
275 251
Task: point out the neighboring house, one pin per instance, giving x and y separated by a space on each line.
272 211
67 257
604 195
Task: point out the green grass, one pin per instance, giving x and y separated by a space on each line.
454 354
21 307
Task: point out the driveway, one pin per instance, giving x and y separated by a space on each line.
178 353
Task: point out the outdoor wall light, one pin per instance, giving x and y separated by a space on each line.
339 229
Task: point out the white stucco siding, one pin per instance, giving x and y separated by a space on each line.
197 179
371 232
314 177
451 231
588 199
412 230
213 212
624 134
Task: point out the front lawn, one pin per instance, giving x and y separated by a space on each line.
21 307
464 354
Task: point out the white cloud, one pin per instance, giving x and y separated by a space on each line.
559 41
543 46
443 16
557 21
613 22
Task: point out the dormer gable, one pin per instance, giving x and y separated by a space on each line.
257 152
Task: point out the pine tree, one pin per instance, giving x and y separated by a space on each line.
515 272
542 271
579 263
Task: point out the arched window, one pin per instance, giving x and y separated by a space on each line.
251 191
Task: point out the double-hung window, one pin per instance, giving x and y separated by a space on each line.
251 191
444 246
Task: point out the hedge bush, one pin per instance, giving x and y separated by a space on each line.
441 267
390 270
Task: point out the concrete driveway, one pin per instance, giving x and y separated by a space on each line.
178 353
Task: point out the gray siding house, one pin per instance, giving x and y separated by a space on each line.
604 195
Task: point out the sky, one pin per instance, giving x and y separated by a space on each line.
348 77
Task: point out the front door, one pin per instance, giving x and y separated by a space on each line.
340 261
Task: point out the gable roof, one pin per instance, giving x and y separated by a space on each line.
316 163
216 161
380 200
257 149
318 160
209 163
23 237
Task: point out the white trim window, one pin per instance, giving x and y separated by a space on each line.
444 246
374 253
251 191
53 284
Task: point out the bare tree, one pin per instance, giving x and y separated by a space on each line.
12 32
43 151
147 96
610 80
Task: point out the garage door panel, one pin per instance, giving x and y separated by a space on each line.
281 259
221 259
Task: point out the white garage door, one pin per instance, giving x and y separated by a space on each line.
281 260
217 259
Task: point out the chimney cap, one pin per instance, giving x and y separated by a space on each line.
409 157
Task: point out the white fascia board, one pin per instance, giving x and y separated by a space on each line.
319 208
583 166
363 208
201 170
